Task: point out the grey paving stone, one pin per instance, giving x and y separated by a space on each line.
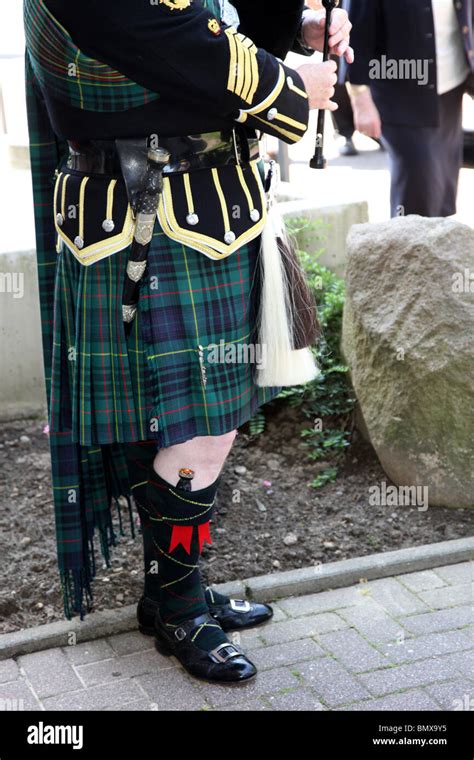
421 581
89 651
250 638
332 683
251 705
453 695
430 645
462 663
278 613
416 699
265 683
138 705
324 601
129 643
394 598
126 666
49 672
285 654
173 689
457 574
371 620
352 650
449 596
17 696
8 671
113 695
415 674
302 628
441 620
292 701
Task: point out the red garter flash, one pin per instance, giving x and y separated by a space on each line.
204 533
181 535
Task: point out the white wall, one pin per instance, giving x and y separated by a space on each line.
12 45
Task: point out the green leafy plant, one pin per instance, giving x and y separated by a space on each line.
257 423
328 476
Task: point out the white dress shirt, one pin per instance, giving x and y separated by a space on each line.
451 60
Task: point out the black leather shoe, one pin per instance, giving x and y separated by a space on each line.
238 614
234 616
225 664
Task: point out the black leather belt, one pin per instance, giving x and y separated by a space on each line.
205 151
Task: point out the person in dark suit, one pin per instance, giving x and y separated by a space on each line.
414 61
343 120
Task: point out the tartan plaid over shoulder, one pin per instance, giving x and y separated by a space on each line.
73 77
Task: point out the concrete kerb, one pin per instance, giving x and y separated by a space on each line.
308 580
348 572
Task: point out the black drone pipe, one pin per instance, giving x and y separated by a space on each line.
318 161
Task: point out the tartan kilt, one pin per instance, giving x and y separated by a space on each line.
108 388
115 398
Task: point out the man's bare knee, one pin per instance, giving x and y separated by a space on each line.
220 445
227 439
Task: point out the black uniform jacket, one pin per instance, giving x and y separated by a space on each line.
209 76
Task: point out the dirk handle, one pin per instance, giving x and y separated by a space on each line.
147 204
157 160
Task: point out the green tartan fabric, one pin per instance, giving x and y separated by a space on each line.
85 479
156 384
107 392
62 68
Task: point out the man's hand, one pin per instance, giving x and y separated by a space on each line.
366 116
319 81
339 32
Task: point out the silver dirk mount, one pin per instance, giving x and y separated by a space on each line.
136 269
144 228
128 313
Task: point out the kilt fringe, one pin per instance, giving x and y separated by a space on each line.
75 585
95 517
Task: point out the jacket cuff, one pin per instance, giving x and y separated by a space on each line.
299 45
284 113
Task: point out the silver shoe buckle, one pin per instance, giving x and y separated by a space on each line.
232 651
240 605
180 634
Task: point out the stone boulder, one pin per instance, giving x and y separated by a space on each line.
408 337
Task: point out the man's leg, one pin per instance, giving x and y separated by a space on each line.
451 137
415 168
232 614
181 592
343 118
175 516
205 455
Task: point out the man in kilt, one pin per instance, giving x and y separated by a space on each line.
149 207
